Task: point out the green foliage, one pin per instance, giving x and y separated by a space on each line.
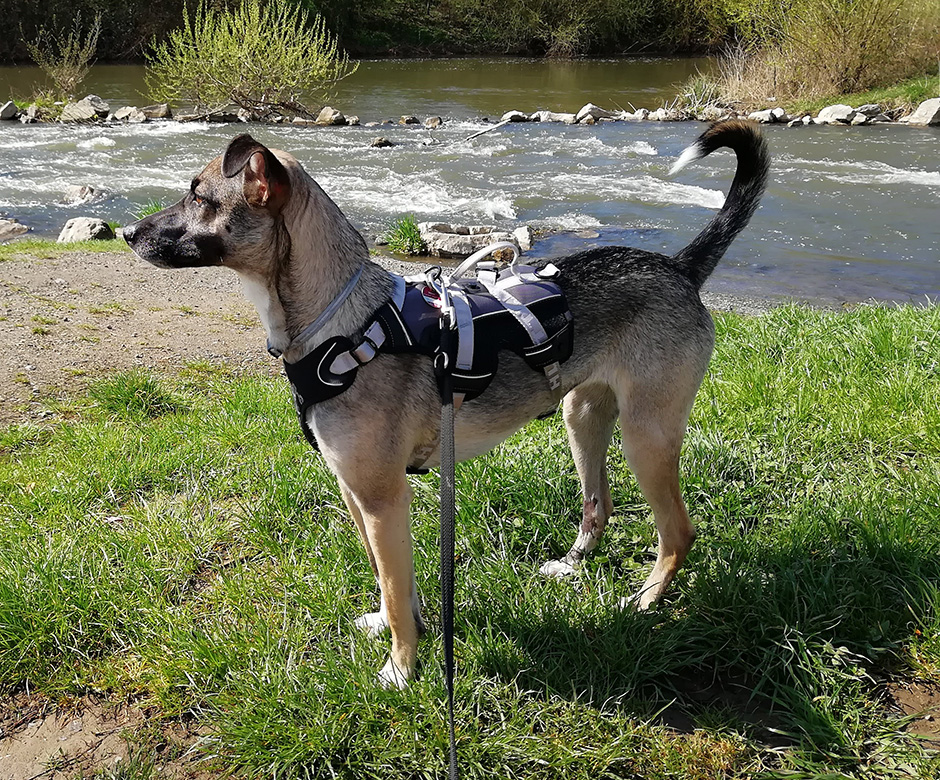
148 208
65 55
404 237
135 394
263 56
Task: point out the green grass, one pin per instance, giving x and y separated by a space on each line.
175 539
904 95
49 248
404 237
150 207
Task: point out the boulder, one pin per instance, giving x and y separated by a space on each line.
330 116
82 111
408 120
641 114
523 236
514 116
10 229
588 120
78 193
299 120
352 121
860 119
764 117
433 122
779 114
8 110
590 110
927 113
85 229
381 143
100 105
839 114
869 109
460 241
551 116
711 114
157 111
130 114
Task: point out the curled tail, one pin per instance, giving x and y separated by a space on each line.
698 259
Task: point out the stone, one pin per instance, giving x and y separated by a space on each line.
408 120
301 121
130 114
8 110
523 236
10 229
711 114
514 116
551 116
85 229
381 143
869 109
588 120
641 114
927 113
860 119
78 193
779 114
158 111
880 119
433 122
839 114
590 110
330 116
100 105
82 111
352 121
764 117
444 240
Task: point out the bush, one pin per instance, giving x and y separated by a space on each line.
809 48
266 57
65 56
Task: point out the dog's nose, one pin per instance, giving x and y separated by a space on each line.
128 232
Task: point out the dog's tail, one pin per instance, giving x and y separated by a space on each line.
698 259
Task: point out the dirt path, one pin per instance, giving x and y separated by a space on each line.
68 319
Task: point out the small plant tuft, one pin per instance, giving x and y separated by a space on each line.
136 394
150 207
404 237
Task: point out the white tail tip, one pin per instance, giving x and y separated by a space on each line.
689 155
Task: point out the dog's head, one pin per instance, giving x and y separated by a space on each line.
229 216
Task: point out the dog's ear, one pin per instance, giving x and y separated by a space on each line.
266 181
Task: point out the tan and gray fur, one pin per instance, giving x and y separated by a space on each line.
643 340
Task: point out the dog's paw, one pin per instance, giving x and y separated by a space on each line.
641 601
557 570
390 676
373 623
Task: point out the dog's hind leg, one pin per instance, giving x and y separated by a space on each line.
590 413
653 429
381 512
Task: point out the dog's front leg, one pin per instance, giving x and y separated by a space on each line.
381 512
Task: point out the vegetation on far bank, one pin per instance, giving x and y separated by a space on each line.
174 539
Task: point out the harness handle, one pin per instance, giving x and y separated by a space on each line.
471 262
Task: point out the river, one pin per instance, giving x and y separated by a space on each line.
851 214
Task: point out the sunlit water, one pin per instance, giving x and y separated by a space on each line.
851 213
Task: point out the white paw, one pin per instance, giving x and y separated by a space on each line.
390 676
640 601
373 623
557 570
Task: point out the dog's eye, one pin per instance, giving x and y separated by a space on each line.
198 200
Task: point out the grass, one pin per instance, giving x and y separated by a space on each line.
905 95
175 539
404 237
47 248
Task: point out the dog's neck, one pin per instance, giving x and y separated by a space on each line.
320 254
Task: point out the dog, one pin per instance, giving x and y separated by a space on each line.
643 341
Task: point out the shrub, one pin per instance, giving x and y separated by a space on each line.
65 56
266 57
404 237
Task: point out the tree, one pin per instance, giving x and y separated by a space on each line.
266 56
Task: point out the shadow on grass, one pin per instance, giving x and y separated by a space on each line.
785 642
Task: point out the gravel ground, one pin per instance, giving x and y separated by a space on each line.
69 319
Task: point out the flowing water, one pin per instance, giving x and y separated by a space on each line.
851 213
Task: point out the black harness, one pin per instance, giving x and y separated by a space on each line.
520 309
